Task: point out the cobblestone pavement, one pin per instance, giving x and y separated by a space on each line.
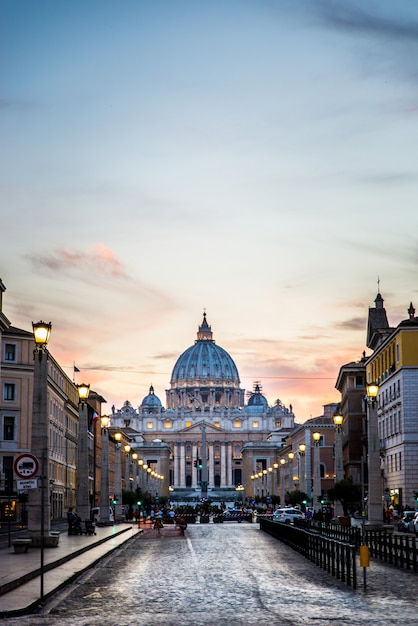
220 574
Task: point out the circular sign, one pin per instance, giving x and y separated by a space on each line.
26 465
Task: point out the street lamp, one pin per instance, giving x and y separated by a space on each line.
374 491
39 508
240 488
127 449
82 484
104 475
282 485
317 491
274 487
117 491
291 456
339 469
302 472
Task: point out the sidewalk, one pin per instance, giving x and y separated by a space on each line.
20 574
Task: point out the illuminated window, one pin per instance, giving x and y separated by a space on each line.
187 424
278 423
217 424
168 424
150 425
237 424
256 425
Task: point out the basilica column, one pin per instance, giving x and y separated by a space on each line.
229 461
176 466
182 460
223 465
211 466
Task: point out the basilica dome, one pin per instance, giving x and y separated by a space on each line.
151 403
204 376
205 361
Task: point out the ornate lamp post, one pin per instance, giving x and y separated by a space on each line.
104 475
282 485
374 491
39 508
82 483
317 491
291 456
302 477
127 449
339 469
117 491
274 489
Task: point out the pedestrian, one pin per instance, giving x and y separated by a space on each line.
71 518
158 524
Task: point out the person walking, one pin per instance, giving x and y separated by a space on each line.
71 519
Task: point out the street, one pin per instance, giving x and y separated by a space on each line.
223 574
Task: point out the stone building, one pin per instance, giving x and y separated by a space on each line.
210 429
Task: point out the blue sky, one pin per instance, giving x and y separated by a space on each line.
254 158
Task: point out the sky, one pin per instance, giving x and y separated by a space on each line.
254 159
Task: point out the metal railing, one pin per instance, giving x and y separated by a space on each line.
336 557
397 550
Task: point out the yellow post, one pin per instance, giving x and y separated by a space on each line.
364 556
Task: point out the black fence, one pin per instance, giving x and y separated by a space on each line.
336 557
397 550
334 547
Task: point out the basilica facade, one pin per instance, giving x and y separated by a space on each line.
210 434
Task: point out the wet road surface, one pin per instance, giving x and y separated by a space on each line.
222 574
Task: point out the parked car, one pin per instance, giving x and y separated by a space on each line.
95 514
287 515
405 524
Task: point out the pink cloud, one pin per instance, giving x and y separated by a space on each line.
98 259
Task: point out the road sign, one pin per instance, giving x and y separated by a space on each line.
26 465
24 485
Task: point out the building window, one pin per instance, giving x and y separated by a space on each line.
397 352
168 424
10 352
8 428
187 424
150 425
278 423
217 424
237 424
256 425
9 391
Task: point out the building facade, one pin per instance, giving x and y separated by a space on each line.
393 365
207 422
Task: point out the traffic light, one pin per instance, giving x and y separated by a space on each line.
195 463
416 496
200 463
139 503
115 500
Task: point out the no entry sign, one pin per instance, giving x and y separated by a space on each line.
26 466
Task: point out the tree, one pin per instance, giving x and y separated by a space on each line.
298 497
346 492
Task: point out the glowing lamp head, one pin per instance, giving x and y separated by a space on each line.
105 421
372 391
41 333
83 392
316 437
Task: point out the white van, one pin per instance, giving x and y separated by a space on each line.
95 515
